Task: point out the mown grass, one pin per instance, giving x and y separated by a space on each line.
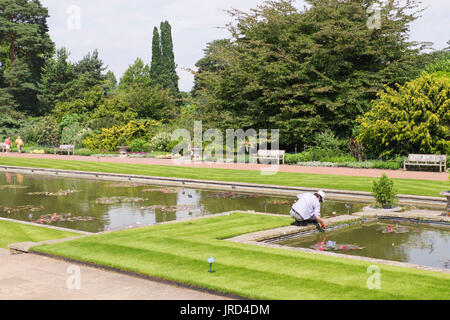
178 252
11 232
404 186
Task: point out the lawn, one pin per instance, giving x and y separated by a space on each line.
178 252
404 186
11 232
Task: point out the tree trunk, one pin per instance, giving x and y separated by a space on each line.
12 54
12 50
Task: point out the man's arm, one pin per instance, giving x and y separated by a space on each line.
321 221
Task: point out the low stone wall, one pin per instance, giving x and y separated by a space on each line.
344 195
418 215
266 235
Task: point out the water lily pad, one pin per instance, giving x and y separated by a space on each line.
231 195
394 229
163 190
29 208
114 200
169 208
62 217
332 246
60 193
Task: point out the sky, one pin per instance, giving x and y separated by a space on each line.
121 30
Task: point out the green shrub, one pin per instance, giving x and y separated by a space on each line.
441 65
162 142
139 145
315 155
328 141
414 118
69 120
108 139
384 192
47 132
122 141
75 134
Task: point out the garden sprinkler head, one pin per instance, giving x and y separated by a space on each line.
211 261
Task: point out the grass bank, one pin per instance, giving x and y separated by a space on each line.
404 186
178 252
11 232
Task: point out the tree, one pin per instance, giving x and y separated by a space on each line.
138 102
413 119
209 63
305 70
163 67
111 83
88 74
90 71
26 46
57 76
156 65
169 75
85 103
137 74
441 65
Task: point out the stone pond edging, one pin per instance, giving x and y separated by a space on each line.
262 238
46 226
345 195
259 238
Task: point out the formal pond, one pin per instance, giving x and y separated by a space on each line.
95 205
388 240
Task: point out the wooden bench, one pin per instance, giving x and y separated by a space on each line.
3 147
426 160
270 155
66 148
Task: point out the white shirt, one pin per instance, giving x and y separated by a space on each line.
308 206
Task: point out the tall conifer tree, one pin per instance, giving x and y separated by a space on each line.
25 46
155 68
163 67
170 77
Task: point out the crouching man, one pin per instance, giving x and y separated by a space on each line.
307 209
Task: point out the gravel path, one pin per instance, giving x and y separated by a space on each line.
32 277
375 173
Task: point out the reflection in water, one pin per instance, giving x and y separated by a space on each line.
115 205
414 243
190 199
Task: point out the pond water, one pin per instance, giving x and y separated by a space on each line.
405 242
94 206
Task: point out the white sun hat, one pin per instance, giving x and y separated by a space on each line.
322 195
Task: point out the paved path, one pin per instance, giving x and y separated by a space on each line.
375 173
32 277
